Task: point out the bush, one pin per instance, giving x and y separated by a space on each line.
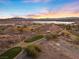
51 36
76 41
11 53
33 51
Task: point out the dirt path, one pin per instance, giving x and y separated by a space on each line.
66 49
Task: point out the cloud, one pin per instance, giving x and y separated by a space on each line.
4 1
67 10
35 1
72 7
4 15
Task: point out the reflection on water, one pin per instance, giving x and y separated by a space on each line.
55 22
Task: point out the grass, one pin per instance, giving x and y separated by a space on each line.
33 51
11 53
34 38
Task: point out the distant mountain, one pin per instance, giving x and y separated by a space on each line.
69 19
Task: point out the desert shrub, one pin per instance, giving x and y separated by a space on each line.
76 41
52 36
33 51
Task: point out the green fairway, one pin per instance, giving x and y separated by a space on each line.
34 38
11 53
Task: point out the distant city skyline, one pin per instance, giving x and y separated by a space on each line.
39 8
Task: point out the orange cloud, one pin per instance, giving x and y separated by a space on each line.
67 10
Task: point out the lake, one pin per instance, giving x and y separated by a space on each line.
55 22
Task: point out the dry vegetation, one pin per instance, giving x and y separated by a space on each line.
56 39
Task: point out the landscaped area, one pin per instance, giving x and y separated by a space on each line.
11 53
34 38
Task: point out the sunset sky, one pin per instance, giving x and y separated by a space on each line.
39 8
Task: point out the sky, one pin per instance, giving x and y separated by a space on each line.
39 8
